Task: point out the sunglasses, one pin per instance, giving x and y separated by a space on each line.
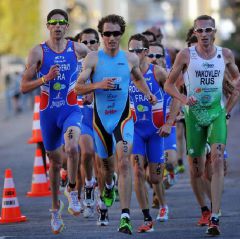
137 50
157 56
91 42
114 33
207 30
55 22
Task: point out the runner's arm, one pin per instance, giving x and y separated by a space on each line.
176 70
234 76
33 63
81 88
139 81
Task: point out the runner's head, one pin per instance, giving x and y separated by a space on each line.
111 28
90 38
150 36
156 54
138 44
204 29
57 23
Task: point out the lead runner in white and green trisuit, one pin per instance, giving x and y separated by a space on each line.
203 68
203 80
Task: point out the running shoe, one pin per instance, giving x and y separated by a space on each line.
125 226
57 224
213 227
88 212
103 217
88 200
204 220
163 214
74 207
146 227
109 196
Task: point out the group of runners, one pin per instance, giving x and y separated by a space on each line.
104 112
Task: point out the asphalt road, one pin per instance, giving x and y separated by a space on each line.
16 154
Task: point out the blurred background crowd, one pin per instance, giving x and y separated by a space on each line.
23 25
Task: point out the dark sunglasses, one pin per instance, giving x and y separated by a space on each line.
114 33
55 22
157 56
91 42
137 50
207 30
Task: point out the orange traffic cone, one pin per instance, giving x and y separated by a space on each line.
40 186
36 130
10 207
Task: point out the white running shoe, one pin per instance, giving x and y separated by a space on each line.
57 224
163 214
88 212
74 207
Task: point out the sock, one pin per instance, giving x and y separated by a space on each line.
110 186
180 162
214 215
125 213
72 185
89 183
204 209
146 215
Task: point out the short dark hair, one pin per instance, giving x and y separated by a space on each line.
204 17
159 45
148 33
192 39
87 31
114 19
140 37
57 11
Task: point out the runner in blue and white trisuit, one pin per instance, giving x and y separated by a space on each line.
148 126
111 70
157 55
55 62
90 38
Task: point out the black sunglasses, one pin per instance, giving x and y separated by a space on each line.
91 42
114 33
207 30
55 22
137 50
157 56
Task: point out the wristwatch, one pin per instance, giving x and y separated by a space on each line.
228 116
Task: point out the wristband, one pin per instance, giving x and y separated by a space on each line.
43 80
228 116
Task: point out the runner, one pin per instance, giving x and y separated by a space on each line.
90 38
111 69
148 127
55 62
203 67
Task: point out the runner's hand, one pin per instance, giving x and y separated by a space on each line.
53 73
152 99
106 84
165 130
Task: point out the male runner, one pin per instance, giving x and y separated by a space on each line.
55 62
148 127
203 67
110 70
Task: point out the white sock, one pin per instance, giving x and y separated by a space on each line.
125 215
110 186
89 183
